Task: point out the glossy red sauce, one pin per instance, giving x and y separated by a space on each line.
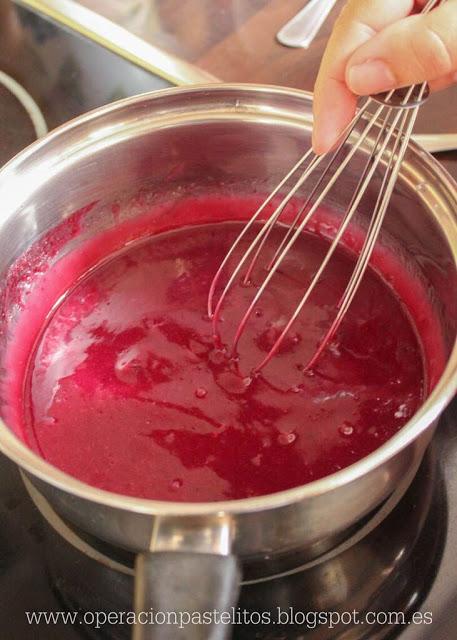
126 390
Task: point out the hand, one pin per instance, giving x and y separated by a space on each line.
376 46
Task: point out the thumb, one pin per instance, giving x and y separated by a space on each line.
416 49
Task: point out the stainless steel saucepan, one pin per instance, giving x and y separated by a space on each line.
230 139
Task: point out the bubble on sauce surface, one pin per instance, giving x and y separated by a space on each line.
286 438
346 430
297 388
402 411
256 460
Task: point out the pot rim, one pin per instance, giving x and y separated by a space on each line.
436 402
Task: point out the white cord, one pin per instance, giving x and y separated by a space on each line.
29 104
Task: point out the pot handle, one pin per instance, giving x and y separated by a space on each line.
178 583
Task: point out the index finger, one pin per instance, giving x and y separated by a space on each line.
334 103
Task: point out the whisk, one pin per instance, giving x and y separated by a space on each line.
392 118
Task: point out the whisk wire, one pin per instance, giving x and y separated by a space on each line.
335 154
248 226
370 239
263 235
264 229
355 201
395 114
298 232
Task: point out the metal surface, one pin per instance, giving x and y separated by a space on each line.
396 117
110 155
118 40
406 97
173 540
171 535
437 142
301 30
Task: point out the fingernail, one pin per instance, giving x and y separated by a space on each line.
316 142
321 141
372 76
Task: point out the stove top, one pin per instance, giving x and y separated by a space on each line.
406 564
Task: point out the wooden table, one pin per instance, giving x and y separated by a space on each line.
235 40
